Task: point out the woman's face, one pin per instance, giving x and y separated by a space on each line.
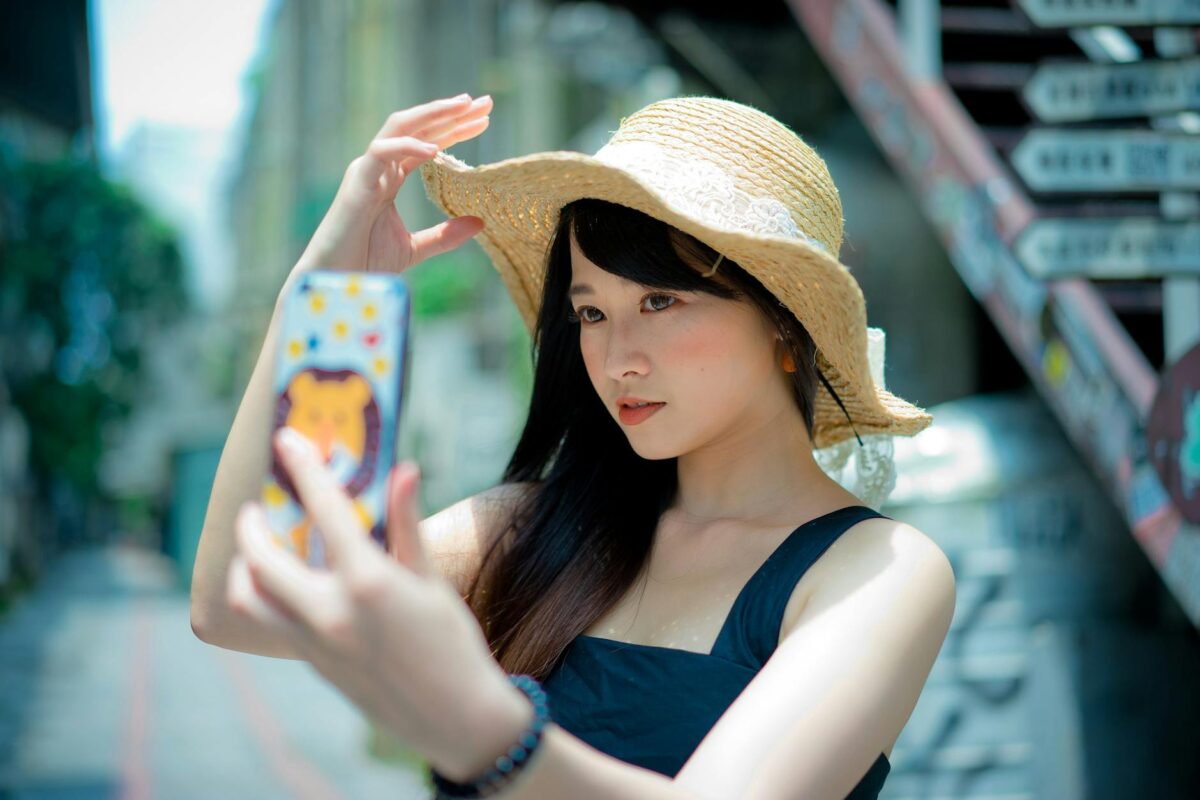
710 361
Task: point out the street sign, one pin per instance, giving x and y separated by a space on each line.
1058 160
1126 247
1069 92
1070 13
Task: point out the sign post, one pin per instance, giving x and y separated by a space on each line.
1125 247
1062 160
1059 14
1077 91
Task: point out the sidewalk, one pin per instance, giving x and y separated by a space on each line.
106 693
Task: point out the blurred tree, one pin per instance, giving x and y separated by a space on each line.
89 277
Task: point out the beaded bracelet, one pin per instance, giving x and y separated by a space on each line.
511 762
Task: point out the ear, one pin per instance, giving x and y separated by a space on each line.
301 385
358 390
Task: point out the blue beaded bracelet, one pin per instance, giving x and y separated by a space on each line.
511 762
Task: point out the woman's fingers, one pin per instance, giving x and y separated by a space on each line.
458 133
409 151
276 588
326 502
412 136
245 596
431 120
403 520
408 120
443 237
435 131
383 156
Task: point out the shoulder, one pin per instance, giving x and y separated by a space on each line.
808 726
888 560
900 543
457 537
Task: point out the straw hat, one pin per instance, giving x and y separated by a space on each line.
733 177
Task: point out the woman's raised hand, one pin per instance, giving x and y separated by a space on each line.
362 229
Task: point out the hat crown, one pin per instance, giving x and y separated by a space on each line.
756 153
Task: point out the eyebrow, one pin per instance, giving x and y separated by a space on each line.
581 288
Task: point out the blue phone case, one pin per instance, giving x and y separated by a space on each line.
339 381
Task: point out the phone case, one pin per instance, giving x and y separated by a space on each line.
339 381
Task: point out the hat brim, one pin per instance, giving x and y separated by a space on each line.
519 200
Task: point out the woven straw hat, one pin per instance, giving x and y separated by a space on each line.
733 177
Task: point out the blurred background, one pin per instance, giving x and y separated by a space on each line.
1021 187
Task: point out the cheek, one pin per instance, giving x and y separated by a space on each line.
723 348
591 351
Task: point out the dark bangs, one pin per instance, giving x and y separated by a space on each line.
629 244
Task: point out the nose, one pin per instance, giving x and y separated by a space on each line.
624 352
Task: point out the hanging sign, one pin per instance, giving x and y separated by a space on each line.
1128 247
1069 13
1071 92
1057 160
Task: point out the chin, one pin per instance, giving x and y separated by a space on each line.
652 451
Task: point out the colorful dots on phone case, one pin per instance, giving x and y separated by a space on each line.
273 495
340 330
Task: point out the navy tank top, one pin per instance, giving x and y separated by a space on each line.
651 706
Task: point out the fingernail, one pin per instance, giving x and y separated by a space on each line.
293 441
462 96
481 98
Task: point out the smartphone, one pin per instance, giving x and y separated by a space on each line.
338 380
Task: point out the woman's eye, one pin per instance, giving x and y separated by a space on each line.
653 297
585 313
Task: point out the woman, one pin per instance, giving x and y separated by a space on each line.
708 612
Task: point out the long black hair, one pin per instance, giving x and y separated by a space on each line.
579 541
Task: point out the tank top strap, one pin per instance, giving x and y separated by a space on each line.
751 632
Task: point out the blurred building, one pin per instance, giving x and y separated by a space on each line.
172 169
46 79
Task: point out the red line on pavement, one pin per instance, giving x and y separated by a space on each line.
299 774
135 776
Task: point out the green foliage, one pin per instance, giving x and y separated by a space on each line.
446 283
89 278
520 360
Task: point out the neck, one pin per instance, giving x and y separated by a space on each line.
761 471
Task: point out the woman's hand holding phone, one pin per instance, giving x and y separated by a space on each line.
362 229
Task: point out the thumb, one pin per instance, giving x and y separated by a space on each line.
443 237
403 519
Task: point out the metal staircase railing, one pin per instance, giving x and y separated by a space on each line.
1061 327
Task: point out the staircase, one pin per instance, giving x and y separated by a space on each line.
1055 148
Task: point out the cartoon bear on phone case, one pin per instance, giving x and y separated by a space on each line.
337 412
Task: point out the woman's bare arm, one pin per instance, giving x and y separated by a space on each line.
455 538
244 461
361 231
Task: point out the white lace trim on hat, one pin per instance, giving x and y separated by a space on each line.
704 192
868 472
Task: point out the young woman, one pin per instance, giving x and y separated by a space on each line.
707 612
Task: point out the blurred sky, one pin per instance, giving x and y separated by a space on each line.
171 102
179 62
